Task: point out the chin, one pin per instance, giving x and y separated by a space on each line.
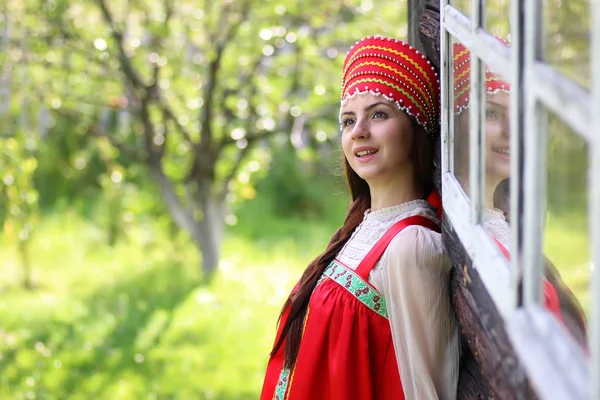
500 171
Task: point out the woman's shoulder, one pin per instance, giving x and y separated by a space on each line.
417 237
417 245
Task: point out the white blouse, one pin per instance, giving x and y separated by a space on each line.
413 276
497 226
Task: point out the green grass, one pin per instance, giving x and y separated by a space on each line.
135 321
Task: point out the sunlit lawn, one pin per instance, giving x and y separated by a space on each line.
135 322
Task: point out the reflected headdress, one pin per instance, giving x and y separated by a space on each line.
494 83
397 71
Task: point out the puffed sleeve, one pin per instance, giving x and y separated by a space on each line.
414 280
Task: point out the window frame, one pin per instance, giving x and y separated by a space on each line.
555 364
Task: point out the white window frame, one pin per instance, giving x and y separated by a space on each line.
555 364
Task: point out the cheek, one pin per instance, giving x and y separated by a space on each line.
493 129
346 146
404 143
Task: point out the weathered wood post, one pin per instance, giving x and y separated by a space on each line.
489 366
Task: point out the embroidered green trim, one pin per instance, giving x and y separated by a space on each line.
282 384
364 292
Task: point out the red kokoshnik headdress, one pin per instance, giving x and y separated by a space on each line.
397 71
462 77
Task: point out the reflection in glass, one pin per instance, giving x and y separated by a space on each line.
497 136
566 27
566 234
496 216
567 271
461 71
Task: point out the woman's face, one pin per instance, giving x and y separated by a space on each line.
377 139
497 139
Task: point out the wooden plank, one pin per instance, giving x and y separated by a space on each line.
429 30
414 13
490 366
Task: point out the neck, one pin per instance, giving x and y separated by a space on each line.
387 194
488 195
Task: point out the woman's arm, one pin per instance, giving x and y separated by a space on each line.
415 284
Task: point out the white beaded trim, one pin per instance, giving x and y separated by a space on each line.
396 61
415 93
460 109
389 40
406 109
428 125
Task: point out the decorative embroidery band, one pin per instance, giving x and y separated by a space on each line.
389 84
464 90
350 281
460 54
285 381
389 50
282 384
364 292
414 84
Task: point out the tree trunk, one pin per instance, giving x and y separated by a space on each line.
210 231
25 263
207 231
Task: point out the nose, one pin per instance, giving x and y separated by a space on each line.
360 129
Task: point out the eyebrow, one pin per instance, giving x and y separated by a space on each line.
369 107
493 103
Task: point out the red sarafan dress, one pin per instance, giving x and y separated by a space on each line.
346 350
551 301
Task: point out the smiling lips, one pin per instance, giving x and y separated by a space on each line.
503 151
364 151
365 154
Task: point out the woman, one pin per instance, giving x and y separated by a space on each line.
496 125
557 296
497 141
371 316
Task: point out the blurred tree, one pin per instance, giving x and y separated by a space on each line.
194 90
18 196
19 211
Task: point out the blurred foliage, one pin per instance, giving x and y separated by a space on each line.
293 186
188 96
134 321
566 47
119 310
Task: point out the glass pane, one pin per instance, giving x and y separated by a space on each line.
566 234
496 125
463 5
567 38
496 215
461 71
497 15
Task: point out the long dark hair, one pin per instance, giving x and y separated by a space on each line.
571 310
297 303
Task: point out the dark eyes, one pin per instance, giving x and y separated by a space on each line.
491 114
346 122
